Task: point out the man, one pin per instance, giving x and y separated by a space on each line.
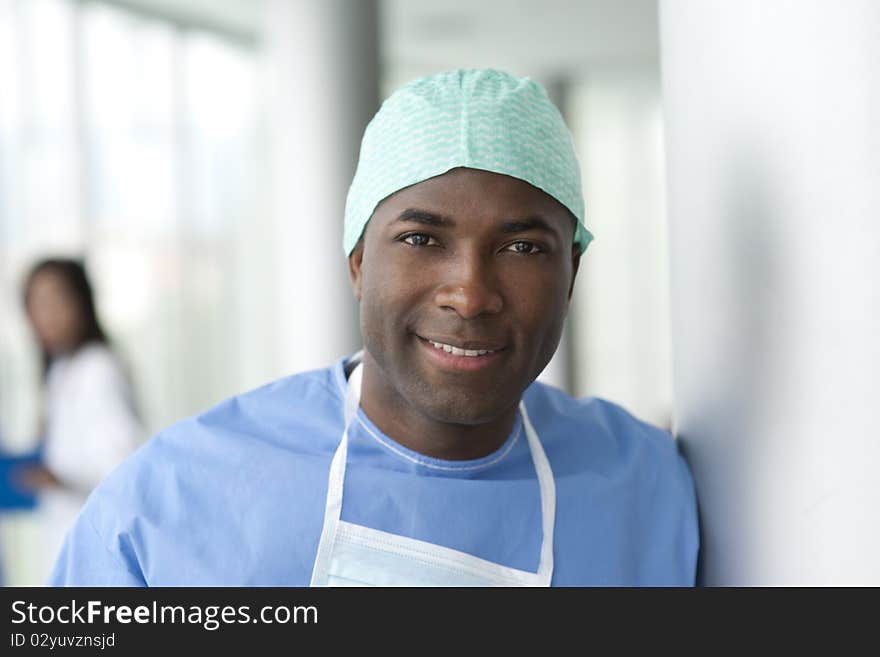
464 230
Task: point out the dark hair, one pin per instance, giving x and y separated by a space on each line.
73 273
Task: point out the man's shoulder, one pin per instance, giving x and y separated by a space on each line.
289 416
603 430
281 405
596 444
590 412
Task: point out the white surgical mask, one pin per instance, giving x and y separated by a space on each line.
354 555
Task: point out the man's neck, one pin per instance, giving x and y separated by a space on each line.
403 423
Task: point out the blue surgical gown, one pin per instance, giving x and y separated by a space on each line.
235 496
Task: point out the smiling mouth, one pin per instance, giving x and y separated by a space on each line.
455 351
467 349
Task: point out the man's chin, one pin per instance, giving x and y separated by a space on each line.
464 411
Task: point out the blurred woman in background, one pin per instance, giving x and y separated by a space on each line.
89 422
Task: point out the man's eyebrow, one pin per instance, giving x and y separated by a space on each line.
529 223
424 217
512 226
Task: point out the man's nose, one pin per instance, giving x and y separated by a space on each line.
471 289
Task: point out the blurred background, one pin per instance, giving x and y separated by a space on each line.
197 155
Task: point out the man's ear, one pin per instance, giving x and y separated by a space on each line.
355 268
575 263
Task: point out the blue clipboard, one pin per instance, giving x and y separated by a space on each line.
11 496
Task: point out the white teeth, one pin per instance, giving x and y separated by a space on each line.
455 351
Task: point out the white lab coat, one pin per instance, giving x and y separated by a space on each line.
91 427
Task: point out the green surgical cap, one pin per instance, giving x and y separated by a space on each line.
480 119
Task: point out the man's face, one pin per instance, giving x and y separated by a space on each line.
475 261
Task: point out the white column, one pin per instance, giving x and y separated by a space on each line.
620 311
773 142
322 79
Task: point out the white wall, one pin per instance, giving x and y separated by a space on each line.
773 139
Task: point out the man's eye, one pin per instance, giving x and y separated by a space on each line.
419 239
526 248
